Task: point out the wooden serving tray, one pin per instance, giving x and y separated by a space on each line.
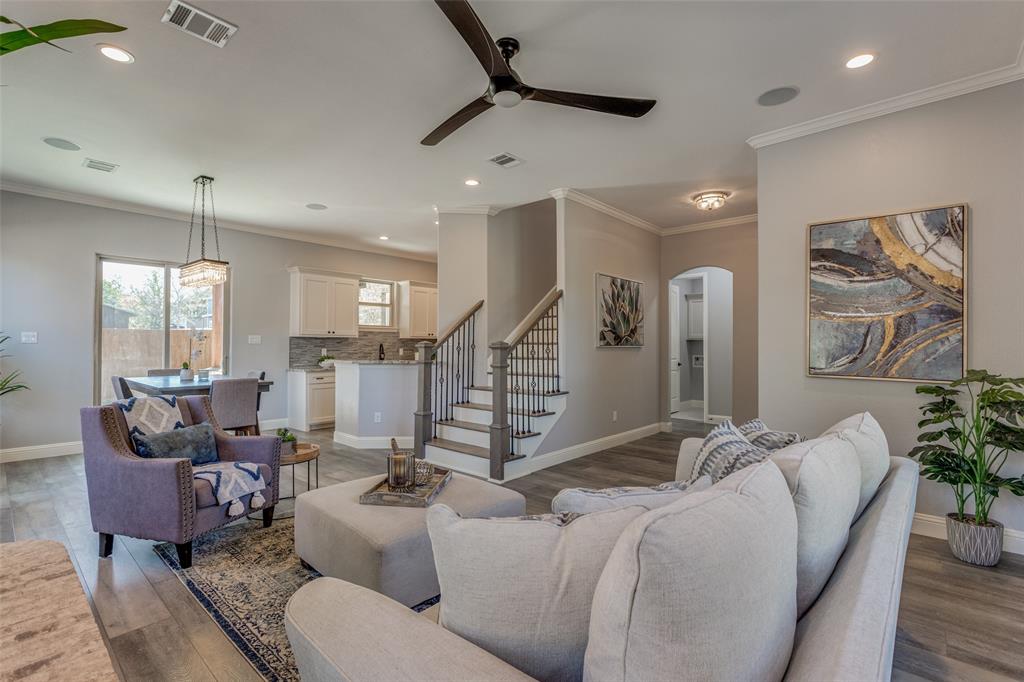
420 496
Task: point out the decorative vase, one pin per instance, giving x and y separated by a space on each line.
186 375
973 544
401 470
287 447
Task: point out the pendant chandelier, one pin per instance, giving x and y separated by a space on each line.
203 272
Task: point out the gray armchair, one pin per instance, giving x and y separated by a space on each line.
157 499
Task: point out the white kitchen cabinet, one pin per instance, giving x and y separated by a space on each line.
310 399
417 313
323 304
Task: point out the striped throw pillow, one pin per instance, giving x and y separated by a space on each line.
724 451
758 433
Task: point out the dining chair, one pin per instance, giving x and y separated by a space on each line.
162 372
234 404
261 375
121 389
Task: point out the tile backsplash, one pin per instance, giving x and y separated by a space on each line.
303 351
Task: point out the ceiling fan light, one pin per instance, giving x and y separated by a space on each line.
507 98
709 201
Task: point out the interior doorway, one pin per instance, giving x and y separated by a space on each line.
700 345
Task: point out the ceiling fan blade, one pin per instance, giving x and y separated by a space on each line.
620 106
472 30
457 120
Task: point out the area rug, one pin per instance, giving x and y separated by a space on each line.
243 575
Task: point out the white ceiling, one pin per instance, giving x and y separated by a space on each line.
327 101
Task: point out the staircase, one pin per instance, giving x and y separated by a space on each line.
487 429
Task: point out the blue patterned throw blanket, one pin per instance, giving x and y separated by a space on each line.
232 481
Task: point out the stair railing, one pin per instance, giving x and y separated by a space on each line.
525 371
446 371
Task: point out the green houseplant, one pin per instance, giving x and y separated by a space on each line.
27 36
288 441
974 424
9 383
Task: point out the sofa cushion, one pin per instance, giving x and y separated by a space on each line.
588 500
521 587
701 589
824 477
204 491
196 443
725 450
758 433
872 447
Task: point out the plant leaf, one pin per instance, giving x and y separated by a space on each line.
66 28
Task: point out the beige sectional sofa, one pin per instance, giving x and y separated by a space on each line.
749 600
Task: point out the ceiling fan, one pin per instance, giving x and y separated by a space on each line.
505 88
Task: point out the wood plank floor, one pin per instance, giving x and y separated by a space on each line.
956 622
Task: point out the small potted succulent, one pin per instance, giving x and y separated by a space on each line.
186 372
980 420
288 441
325 361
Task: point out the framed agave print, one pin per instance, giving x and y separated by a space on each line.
620 312
887 296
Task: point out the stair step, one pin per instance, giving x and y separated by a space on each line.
526 434
529 374
487 408
459 424
473 450
543 393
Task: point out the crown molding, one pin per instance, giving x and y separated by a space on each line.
935 93
100 202
710 225
591 202
470 210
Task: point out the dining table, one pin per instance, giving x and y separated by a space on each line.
174 385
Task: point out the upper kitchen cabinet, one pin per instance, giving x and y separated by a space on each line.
417 314
323 304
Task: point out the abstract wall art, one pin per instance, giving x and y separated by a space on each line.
620 312
887 297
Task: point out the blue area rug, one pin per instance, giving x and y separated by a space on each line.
243 575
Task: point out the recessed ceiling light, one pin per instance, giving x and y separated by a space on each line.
316 207
472 183
61 143
383 237
778 96
860 60
709 201
116 53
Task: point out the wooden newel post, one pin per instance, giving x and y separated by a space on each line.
424 416
501 446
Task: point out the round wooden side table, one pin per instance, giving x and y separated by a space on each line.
304 452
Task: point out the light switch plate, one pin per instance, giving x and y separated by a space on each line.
29 337
376 417
255 339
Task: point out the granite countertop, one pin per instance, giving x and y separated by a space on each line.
374 362
310 368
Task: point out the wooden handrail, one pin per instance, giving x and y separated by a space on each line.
524 327
458 323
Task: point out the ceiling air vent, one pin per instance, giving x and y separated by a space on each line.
505 160
199 23
104 166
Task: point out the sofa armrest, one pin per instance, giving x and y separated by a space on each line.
688 451
340 631
131 495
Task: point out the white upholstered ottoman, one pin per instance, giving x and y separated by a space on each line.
386 549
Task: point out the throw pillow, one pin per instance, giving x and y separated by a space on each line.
147 415
724 451
701 589
868 439
197 443
521 587
588 500
758 433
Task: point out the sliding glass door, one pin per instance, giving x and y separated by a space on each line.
146 320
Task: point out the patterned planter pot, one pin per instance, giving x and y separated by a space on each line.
287 447
978 545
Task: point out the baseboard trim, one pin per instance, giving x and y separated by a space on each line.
935 527
28 452
538 462
272 424
666 427
371 442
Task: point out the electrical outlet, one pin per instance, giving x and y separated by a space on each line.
323 351
255 339
401 352
376 418
615 415
29 337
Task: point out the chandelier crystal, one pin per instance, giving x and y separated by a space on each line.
204 271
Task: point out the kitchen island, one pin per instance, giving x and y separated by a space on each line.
374 401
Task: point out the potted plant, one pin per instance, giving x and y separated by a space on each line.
186 373
9 382
325 361
288 441
980 420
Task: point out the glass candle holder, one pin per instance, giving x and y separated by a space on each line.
401 470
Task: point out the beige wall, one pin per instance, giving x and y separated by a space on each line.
734 249
966 149
462 276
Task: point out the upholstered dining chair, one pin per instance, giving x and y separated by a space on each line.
158 499
162 372
121 389
235 404
261 375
